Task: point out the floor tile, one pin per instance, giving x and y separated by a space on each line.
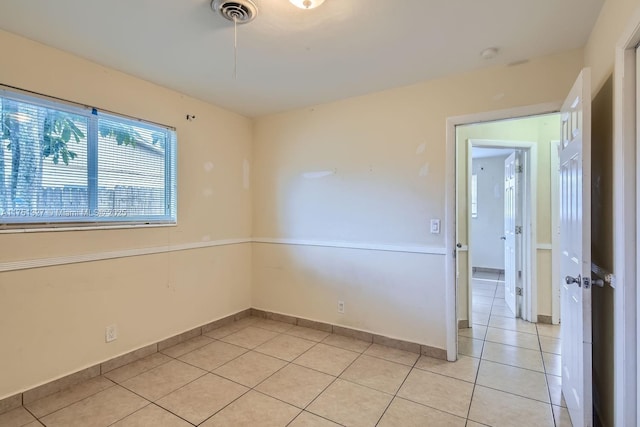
162 380
187 346
347 343
376 373
437 391
499 302
480 318
555 390
224 331
484 309
550 345
296 385
552 331
502 311
307 333
198 400
552 364
59 400
470 347
16 418
465 368
512 324
514 356
246 321
307 419
213 355
561 416
409 414
476 331
522 382
475 424
392 354
254 409
285 347
273 325
328 359
483 284
499 409
483 292
133 369
250 369
250 337
152 415
518 339
350 404
482 300
101 409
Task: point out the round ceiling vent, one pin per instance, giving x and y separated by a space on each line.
239 11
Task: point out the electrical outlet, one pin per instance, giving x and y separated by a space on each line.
341 307
111 333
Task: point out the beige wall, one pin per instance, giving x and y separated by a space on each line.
600 56
52 320
541 130
384 155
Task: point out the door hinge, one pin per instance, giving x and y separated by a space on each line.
519 169
519 274
518 229
519 292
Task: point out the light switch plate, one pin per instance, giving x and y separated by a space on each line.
435 226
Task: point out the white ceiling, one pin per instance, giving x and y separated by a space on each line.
291 58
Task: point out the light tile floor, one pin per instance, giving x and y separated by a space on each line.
264 373
518 381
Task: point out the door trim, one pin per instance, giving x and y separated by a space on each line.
529 220
625 242
554 162
450 204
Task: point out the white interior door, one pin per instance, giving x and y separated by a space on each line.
575 251
510 222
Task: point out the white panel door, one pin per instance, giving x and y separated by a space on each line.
510 223
575 251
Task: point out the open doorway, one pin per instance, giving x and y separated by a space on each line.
494 246
516 249
505 227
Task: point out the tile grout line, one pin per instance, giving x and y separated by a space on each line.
359 355
395 395
72 403
539 350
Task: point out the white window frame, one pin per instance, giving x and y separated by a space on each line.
29 223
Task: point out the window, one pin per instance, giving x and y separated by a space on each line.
474 196
68 165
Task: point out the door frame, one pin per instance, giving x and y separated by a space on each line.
554 162
529 221
626 245
450 204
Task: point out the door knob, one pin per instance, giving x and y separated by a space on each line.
569 280
503 238
458 245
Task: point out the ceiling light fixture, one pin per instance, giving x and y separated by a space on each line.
306 4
